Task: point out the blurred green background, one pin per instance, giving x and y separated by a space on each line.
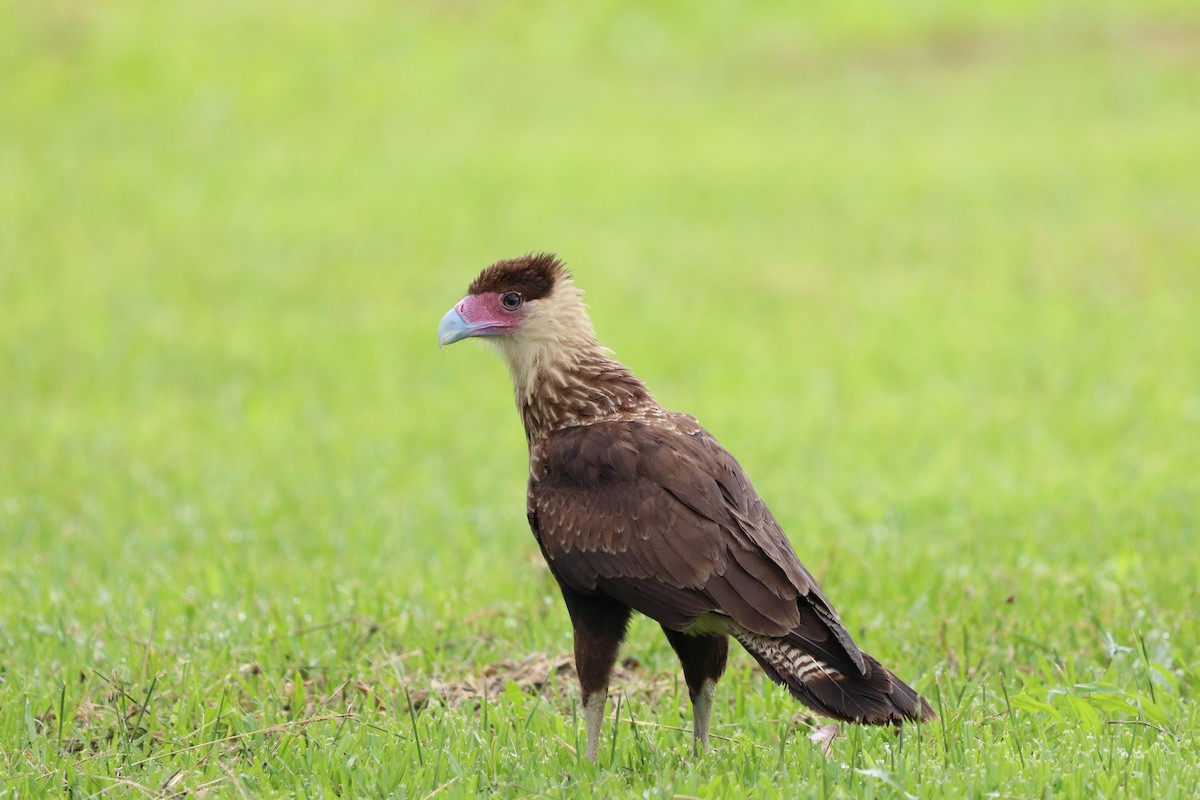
930 270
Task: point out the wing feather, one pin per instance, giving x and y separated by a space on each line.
663 519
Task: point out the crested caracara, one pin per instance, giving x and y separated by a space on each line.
637 508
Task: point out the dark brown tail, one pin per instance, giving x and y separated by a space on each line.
827 679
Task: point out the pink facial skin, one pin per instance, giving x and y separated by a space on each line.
487 316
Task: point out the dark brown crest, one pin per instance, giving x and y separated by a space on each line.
532 275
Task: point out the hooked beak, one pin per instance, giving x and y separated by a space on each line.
454 328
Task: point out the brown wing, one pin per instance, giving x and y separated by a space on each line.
665 521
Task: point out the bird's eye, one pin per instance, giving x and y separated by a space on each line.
511 300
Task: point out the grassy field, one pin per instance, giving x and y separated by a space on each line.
931 271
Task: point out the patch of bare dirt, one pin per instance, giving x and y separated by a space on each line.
552 677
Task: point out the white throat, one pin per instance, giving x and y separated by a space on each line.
555 335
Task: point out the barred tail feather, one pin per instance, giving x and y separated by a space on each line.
831 683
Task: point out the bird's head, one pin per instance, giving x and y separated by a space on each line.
532 311
521 303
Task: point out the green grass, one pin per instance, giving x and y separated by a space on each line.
931 272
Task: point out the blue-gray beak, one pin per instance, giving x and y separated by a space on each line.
453 328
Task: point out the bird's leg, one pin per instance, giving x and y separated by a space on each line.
593 718
599 624
703 659
701 714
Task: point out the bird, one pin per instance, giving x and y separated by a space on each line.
637 508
